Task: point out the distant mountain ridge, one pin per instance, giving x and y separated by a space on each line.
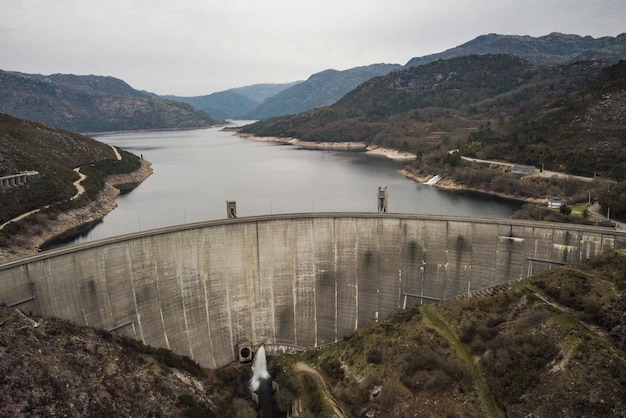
553 49
262 101
233 103
224 104
328 86
320 89
92 104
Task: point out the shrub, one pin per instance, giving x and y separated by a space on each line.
374 356
332 367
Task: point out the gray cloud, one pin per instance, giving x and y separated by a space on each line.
202 46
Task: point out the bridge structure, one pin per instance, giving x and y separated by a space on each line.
288 281
19 179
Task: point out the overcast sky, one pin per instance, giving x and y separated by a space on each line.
196 47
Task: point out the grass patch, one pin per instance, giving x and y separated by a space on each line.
483 390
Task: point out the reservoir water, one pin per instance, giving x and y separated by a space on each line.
197 171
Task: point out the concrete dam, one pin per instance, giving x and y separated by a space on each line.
290 281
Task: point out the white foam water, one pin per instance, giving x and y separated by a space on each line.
259 369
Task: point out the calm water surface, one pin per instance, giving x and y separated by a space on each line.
196 172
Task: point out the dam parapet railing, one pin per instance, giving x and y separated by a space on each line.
289 281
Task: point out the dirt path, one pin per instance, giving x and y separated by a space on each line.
305 368
79 190
79 187
117 153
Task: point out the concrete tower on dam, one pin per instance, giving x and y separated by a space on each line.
286 280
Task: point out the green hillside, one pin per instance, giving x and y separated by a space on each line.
54 153
422 108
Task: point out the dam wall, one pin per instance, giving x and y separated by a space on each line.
301 280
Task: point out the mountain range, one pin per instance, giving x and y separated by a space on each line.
327 87
320 89
234 103
97 104
93 104
553 49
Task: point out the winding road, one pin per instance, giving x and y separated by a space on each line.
80 189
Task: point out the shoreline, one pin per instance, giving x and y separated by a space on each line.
336 146
451 185
29 243
126 131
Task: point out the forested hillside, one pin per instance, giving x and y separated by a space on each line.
456 103
54 153
321 89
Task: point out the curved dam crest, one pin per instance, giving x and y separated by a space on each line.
301 280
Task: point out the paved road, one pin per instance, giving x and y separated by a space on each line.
595 212
544 173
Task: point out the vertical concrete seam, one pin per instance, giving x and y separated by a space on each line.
132 286
133 278
82 302
294 290
256 277
181 288
156 275
356 282
312 240
208 317
271 289
334 238
101 257
31 285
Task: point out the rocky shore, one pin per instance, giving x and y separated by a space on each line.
339 146
29 241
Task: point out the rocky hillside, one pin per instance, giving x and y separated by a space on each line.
321 89
52 368
552 49
552 345
92 104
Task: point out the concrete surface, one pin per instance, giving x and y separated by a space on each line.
300 280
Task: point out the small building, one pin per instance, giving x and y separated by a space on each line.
556 202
